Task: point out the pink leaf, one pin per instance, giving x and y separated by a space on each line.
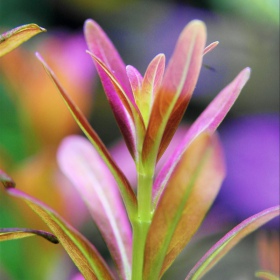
208 121
92 179
110 65
127 114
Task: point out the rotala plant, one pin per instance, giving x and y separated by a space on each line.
145 230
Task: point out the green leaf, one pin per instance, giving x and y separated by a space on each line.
17 233
15 37
265 275
81 251
225 244
184 203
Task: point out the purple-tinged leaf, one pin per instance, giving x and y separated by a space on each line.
127 193
224 245
80 250
16 233
210 47
129 118
6 180
190 192
15 37
175 93
96 185
112 72
208 122
101 46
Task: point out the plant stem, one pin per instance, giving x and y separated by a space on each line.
142 222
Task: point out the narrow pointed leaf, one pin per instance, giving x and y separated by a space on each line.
118 91
151 84
15 37
190 192
80 250
101 46
224 245
178 84
127 193
92 179
127 114
16 233
208 122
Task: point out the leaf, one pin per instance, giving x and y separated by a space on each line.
184 203
208 122
15 37
80 250
175 93
94 182
127 193
266 275
126 113
136 80
151 83
222 247
16 233
112 72
101 46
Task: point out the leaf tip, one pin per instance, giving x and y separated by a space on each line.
6 180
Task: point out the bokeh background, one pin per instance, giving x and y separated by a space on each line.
33 119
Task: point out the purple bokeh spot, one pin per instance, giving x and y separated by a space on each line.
252 154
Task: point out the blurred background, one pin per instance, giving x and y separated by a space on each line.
33 118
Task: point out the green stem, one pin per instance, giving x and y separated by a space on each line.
142 222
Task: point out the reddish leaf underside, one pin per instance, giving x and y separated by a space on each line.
224 245
109 64
81 251
189 194
13 38
127 114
